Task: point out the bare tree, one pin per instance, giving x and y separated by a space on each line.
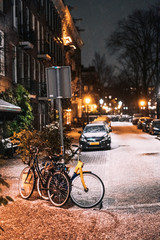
105 71
136 42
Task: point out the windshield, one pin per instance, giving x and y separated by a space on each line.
157 124
93 129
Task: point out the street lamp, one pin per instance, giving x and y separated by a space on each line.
120 103
87 101
142 104
101 101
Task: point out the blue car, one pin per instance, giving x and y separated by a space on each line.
95 136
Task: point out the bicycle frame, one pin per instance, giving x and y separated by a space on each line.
35 167
78 170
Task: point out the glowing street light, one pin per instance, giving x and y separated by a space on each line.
142 104
101 101
87 101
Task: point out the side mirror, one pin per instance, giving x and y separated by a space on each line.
80 132
110 130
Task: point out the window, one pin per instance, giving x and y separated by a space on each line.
2 57
27 71
91 88
47 10
34 69
27 18
21 66
1 39
14 63
2 63
20 16
33 22
41 2
42 37
85 88
39 77
1 6
38 35
14 14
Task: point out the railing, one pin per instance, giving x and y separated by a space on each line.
27 36
44 48
34 87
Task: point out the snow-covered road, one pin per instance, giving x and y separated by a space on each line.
131 169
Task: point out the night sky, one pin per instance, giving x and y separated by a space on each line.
100 18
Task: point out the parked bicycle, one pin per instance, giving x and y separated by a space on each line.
87 189
52 183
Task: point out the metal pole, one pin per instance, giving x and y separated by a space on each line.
87 115
158 108
59 97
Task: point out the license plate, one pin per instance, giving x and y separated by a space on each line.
94 143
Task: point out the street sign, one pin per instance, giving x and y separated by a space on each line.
59 86
58 82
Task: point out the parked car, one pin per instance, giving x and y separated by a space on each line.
136 117
154 127
7 148
145 124
95 136
141 121
103 119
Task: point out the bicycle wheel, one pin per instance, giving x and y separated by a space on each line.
91 197
58 188
26 182
42 190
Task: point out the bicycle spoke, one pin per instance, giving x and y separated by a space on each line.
90 198
42 184
58 188
26 182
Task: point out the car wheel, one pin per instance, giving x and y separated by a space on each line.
108 147
83 149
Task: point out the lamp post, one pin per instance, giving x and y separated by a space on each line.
142 104
101 101
120 103
87 101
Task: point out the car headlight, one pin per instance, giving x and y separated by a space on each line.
155 128
83 139
105 137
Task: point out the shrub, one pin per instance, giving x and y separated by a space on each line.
19 96
48 141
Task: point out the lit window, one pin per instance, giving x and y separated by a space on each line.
85 88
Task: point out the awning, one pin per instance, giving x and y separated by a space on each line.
8 107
